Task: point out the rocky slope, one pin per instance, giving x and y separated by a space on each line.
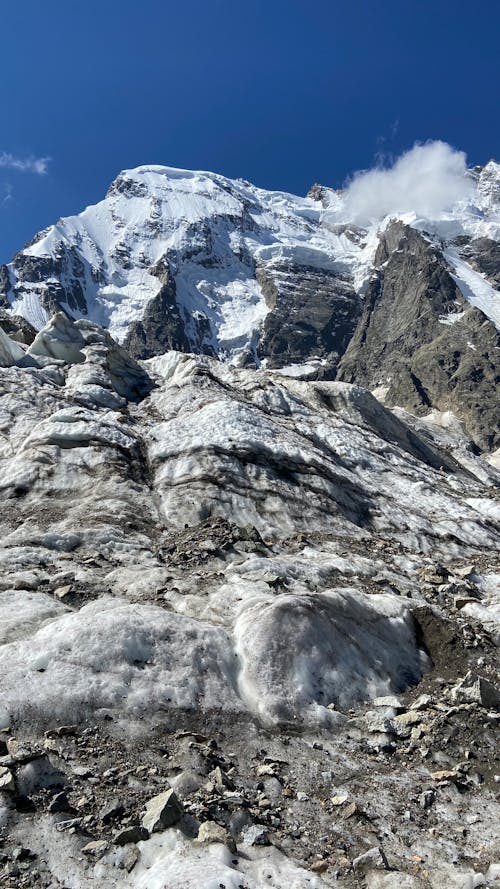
196 262
249 623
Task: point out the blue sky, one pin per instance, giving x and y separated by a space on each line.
281 92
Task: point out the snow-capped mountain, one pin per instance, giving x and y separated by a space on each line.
406 304
249 609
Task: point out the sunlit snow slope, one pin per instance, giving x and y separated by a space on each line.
200 263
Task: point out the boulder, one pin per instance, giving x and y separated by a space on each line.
162 811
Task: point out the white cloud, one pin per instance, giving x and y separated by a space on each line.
7 195
428 179
37 165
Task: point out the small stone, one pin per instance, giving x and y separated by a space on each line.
434 574
130 858
444 775
373 858
133 834
417 732
95 848
268 768
61 731
81 771
113 809
20 751
221 779
211 832
6 779
387 701
465 572
422 703
21 853
377 723
319 867
255 835
340 799
62 591
353 809
473 689
162 811
460 602
59 803
301 796
402 724
67 824
426 799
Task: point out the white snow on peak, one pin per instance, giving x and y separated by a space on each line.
216 231
474 286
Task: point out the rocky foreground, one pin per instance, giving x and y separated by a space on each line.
249 629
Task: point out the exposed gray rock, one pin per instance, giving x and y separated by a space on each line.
401 342
255 835
6 779
130 857
60 280
162 811
59 803
16 327
313 314
112 810
475 689
132 834
162 326
484 254
96 848
5 285
373 858
211 832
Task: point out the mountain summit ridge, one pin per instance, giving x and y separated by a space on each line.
194 261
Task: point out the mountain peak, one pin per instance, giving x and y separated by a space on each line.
193 260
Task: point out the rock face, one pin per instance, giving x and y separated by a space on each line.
173 259
312 315
17 327
162 326
484 255
420 340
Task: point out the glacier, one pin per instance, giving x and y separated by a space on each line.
210 567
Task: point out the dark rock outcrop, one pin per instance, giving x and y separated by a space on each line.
313 314
60 281
17 328
161 327
484 255
459 371
4 285
408 341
